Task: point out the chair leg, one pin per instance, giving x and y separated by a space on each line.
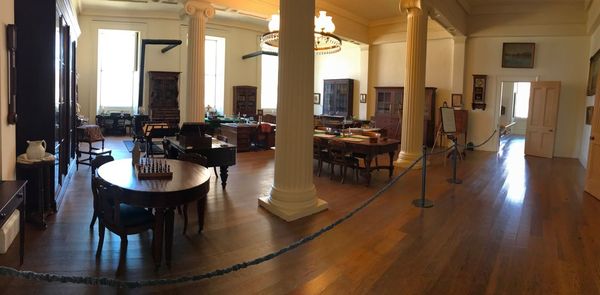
123 250
343 172
93 219
185 218
331 167
101 230
356 172
216 174
319 167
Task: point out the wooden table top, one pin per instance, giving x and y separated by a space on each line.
186 176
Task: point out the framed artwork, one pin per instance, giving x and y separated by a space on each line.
518 55
317 98
593 74
363 98
11 42
457 100
589 113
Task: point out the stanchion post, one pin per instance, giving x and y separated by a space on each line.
422 202
454 180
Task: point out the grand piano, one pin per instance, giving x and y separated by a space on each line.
219 154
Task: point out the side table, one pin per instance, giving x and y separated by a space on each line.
39 175
12 197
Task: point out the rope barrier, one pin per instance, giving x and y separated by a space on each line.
479 145
440 152
103 281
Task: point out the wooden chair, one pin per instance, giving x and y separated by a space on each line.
340 155
119 218
262 135
320 153
89 134
200 160
96 163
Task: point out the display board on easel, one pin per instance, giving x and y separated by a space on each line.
448 120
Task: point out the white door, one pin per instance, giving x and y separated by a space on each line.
541 121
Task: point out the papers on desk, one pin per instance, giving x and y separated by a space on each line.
324 135
352 139
360 136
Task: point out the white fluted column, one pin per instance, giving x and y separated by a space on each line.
199 12
293 194
414 83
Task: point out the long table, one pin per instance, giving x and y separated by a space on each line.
370 151
220 154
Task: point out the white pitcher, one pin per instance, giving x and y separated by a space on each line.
36 149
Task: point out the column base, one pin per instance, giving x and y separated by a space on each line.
406 159
291 214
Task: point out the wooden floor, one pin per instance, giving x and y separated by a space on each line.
517 225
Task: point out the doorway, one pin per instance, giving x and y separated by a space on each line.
512 117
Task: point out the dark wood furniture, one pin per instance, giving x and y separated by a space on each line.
265 136
46 81
340 154
461 118
244 100
89 134
119 217
12 197
338 97
114 123
196 159
164 90
239 134
96 163
219 154
41 200
370 150
388 112
190 183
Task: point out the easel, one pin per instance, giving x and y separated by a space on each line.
445 130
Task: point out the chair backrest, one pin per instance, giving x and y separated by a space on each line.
222 138
107 197
265 128
99 161
193 158
337 149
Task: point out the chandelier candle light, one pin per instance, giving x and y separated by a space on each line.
325 41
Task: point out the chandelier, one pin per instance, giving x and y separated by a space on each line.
325 41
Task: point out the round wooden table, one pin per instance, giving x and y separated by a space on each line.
190 182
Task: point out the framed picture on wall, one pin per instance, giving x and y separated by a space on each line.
363 98
518 55
457 100
317 98
589 113
593 73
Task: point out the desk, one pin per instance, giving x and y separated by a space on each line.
12 196
220 154
369 150
190 182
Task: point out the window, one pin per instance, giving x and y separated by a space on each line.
117 70
214 73
268 81
521 97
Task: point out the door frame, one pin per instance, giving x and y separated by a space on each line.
498 104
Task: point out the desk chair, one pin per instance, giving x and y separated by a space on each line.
90 134
340 155
96 163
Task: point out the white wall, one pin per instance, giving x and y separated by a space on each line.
345 64
557 58
387 66
7 132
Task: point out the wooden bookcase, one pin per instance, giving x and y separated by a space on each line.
388 112
244 100
338 97
164 90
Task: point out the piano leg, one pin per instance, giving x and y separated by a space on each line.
224 176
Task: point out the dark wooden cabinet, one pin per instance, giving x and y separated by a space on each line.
244 100
338 97
164 90
388 112
46 81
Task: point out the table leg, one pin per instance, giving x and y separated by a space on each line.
159 230
224 176
391 164
22 228
169 216
368 159
201 208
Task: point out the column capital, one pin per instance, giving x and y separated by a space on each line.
199 8
408 5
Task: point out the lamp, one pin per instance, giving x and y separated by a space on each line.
325 41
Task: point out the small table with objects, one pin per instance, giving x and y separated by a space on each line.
190 182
